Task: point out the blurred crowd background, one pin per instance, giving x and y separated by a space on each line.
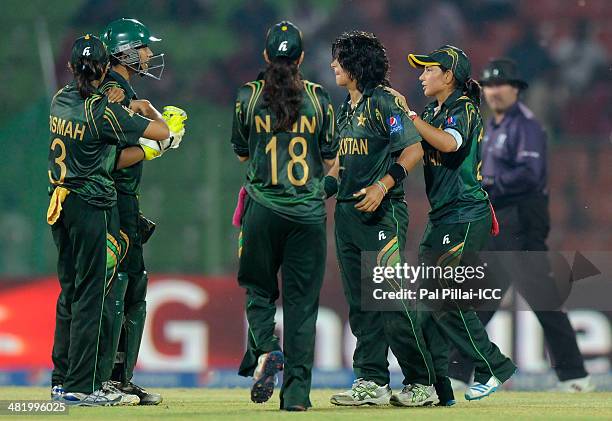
563 48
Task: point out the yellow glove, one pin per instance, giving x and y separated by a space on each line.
175 118
153 149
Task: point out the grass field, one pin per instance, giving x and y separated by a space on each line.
234 404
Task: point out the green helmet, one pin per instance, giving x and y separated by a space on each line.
123 37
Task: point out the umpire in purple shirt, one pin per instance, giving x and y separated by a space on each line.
514 171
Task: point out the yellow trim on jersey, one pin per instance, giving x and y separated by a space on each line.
108 111
332 124
257 88
89 109
310 89
107 118
253 87
311 98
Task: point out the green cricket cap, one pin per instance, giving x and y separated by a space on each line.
449 57
88 47
284 40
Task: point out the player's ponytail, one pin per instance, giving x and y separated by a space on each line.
282 93
86 71
471 89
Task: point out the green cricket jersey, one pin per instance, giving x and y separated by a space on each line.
127 180
285 170
82 138
372 135
452 180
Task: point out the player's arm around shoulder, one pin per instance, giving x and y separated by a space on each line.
113 91
397 120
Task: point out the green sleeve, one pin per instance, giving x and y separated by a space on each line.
461 117
400 128
328 137
123 126
107 84
240 130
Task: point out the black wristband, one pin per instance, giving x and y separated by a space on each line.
330 185
397 172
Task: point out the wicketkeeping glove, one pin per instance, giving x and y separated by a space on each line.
175 118
153 149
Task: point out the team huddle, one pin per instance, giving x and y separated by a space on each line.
299 152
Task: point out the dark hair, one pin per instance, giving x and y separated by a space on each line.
471 89
363 57
85 71
283 91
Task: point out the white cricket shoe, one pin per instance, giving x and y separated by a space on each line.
478 390
107 395
363 392
100 397
580 385
415 395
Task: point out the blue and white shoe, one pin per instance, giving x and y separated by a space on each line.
105 396
57 392
70 398
478 390
268 366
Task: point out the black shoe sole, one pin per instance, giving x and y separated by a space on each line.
263 388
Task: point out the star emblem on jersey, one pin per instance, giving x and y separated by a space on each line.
361 120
